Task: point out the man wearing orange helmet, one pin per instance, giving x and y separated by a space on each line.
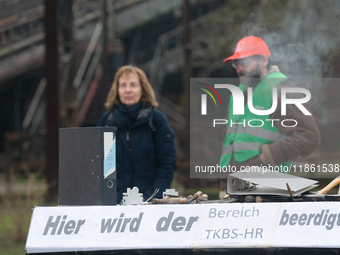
251 60
271 144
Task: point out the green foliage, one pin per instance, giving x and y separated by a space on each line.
10 242
16 203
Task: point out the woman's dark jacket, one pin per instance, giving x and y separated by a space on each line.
145 148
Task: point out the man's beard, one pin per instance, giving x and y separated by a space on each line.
252 78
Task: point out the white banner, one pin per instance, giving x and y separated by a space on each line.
230 225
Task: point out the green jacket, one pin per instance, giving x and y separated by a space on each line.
244 139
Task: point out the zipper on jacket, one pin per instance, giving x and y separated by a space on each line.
128 140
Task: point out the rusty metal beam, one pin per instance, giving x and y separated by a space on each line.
52 104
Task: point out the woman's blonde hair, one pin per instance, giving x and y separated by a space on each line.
148 95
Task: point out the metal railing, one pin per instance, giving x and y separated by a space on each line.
170 46
88 65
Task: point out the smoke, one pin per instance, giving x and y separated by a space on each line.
303 37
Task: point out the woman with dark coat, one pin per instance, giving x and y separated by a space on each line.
145 147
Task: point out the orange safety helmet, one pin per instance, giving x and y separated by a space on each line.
249 46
